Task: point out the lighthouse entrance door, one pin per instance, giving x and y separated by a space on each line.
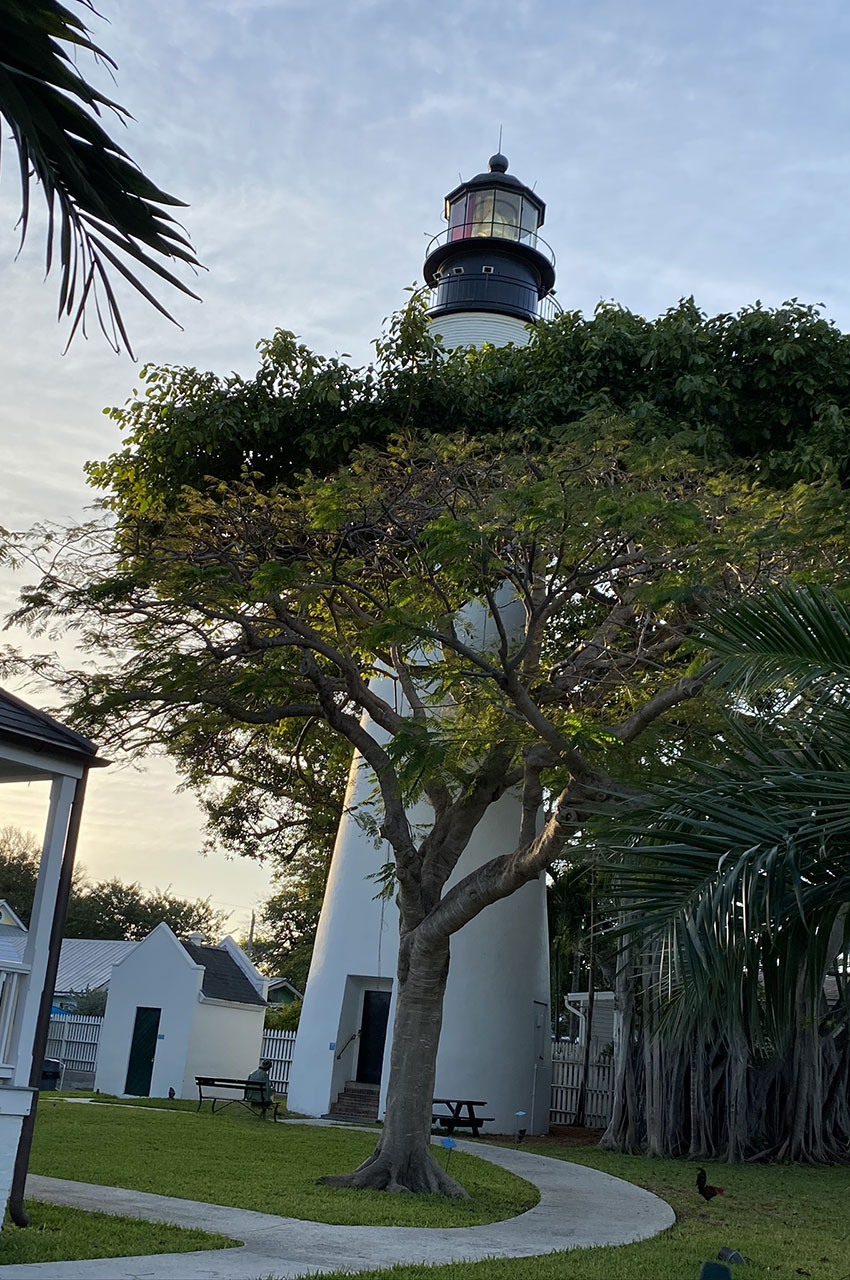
373 1034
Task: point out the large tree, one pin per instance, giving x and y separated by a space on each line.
251 601
102 210
734 980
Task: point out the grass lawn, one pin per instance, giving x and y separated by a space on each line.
159 1104
233 1159
56 1234
790 1220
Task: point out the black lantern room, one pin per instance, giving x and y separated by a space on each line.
491 257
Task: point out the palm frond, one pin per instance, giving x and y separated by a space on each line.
93 190
796 636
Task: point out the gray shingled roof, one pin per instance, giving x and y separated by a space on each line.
20 720
223 979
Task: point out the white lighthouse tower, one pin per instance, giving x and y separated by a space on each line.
488 271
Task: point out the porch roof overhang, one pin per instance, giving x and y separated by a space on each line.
34 746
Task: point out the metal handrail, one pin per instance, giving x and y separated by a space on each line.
467 231
353 1036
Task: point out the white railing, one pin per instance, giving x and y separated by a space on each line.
11 985
567 1072
279 1046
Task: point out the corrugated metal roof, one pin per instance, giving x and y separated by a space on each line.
223 979
84 963
23 721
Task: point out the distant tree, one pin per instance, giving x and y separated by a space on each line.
20 856
112 909
284 1017
283 942
90 1003
98 201
103 908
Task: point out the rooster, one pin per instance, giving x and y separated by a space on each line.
706 1190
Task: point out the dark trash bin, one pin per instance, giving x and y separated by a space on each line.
51 1073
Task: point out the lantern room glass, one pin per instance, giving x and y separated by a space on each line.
492 212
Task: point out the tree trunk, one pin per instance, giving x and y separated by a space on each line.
403 1159
622 1133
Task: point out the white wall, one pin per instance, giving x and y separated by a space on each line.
474 328
357 936
226 1040
498 991
158 974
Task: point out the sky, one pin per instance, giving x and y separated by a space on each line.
681 148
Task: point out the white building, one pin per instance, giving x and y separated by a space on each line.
489 273
176 1010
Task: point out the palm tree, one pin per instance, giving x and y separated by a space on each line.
738 882
101 207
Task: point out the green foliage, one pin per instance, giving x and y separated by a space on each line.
98 200
758 845
20 854
286 927
765 385
737 883
284 1017
90 1003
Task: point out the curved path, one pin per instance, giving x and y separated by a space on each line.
578 1207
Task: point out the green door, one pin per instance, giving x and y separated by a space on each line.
142 1052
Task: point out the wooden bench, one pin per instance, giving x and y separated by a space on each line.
460 1114
209 1086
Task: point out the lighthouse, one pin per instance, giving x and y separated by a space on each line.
489 273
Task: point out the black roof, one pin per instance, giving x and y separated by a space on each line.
223 979
19 720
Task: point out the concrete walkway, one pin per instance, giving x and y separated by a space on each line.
578 1207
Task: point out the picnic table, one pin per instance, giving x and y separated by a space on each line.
254 1096
460 1113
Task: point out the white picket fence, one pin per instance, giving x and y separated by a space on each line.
279 1046
73 1040
567 1071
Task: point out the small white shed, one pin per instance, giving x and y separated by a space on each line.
176 1010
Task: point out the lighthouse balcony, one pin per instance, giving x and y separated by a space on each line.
491 229
450 258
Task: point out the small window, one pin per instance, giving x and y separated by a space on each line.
458 271
488 271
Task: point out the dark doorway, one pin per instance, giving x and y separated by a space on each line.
142 1051
373 1033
